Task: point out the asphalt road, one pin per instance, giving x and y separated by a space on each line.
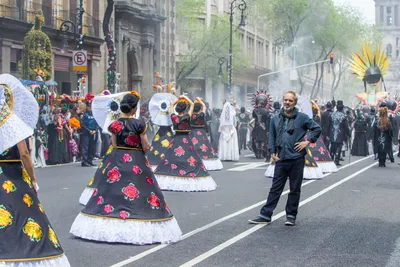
350 218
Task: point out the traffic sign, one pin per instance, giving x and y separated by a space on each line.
79 61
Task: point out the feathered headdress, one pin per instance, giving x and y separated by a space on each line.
368 66
261 96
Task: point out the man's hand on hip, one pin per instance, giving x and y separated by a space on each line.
275 157
301 145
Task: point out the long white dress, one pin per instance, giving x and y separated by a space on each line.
228 148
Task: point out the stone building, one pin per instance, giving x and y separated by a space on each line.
387 19
16 19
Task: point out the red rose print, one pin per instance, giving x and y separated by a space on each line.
185 141
100 200
175 119
116 127
95 192
166 207
322 150
203 148
182 172
126 158
193 116
204 157
213 151
198 133
323 159
313 144
192 161
204 138
124 214
131 192
194 141
203 166
173 166
132 140
179 151
137 170
316 158
183 126
113 175
191 174
108 208
149 180
191 148
154 201
166 162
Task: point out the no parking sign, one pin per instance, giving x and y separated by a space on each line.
79 61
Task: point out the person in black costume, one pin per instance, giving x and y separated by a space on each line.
261 121
360 143
325 123
243 120
383 134
371 118
339 131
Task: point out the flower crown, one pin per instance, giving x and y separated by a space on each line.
183 100
133 92
197 101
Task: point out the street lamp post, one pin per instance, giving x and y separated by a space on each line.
77 31
222 61
241 5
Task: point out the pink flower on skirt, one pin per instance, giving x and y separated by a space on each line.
126 158
173 166
100 200
182 172
185 141
108 208
95 192
137 170
192 174
124 214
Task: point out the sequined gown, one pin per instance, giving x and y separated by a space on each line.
201 143
183 169
127 206
26 235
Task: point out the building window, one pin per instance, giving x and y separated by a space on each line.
389 20
58 12
397 42
381 14
396 15
397 54
389 50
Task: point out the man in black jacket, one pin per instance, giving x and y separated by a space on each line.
326 116
288 148
340 131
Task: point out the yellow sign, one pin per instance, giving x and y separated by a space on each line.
79 68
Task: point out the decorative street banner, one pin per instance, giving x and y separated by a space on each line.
79 61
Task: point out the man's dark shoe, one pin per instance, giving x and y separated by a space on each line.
260 220
290 222
85 164
92 164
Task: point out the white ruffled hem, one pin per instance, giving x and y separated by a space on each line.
86 195
213 164
56 262
172 183
314 173
153 167
327 166
126 231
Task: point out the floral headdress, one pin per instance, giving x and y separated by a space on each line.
183 100
133 92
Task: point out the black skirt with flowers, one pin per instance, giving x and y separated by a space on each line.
128 190
25 231
159 145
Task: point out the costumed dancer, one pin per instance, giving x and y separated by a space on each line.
383 134
199 138
261 120
360 143
159 111
27 237
128 206
228 148
244 121
183 169
106 109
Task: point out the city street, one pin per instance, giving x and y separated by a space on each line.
347 219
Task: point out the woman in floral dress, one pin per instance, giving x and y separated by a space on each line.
128 206
183 169
26 236
199 137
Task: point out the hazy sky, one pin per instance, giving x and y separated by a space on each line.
366 7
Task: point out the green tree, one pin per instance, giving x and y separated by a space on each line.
202 45
37 51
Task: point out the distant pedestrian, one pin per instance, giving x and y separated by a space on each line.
287 132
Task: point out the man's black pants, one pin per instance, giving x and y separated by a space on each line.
292 169
88 143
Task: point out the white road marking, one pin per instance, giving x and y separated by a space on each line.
247 167
239 237
219 221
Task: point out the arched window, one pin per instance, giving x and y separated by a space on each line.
389 50
397 42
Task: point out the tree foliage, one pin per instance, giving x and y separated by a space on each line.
37 52
201 45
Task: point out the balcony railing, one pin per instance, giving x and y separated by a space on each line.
53 18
